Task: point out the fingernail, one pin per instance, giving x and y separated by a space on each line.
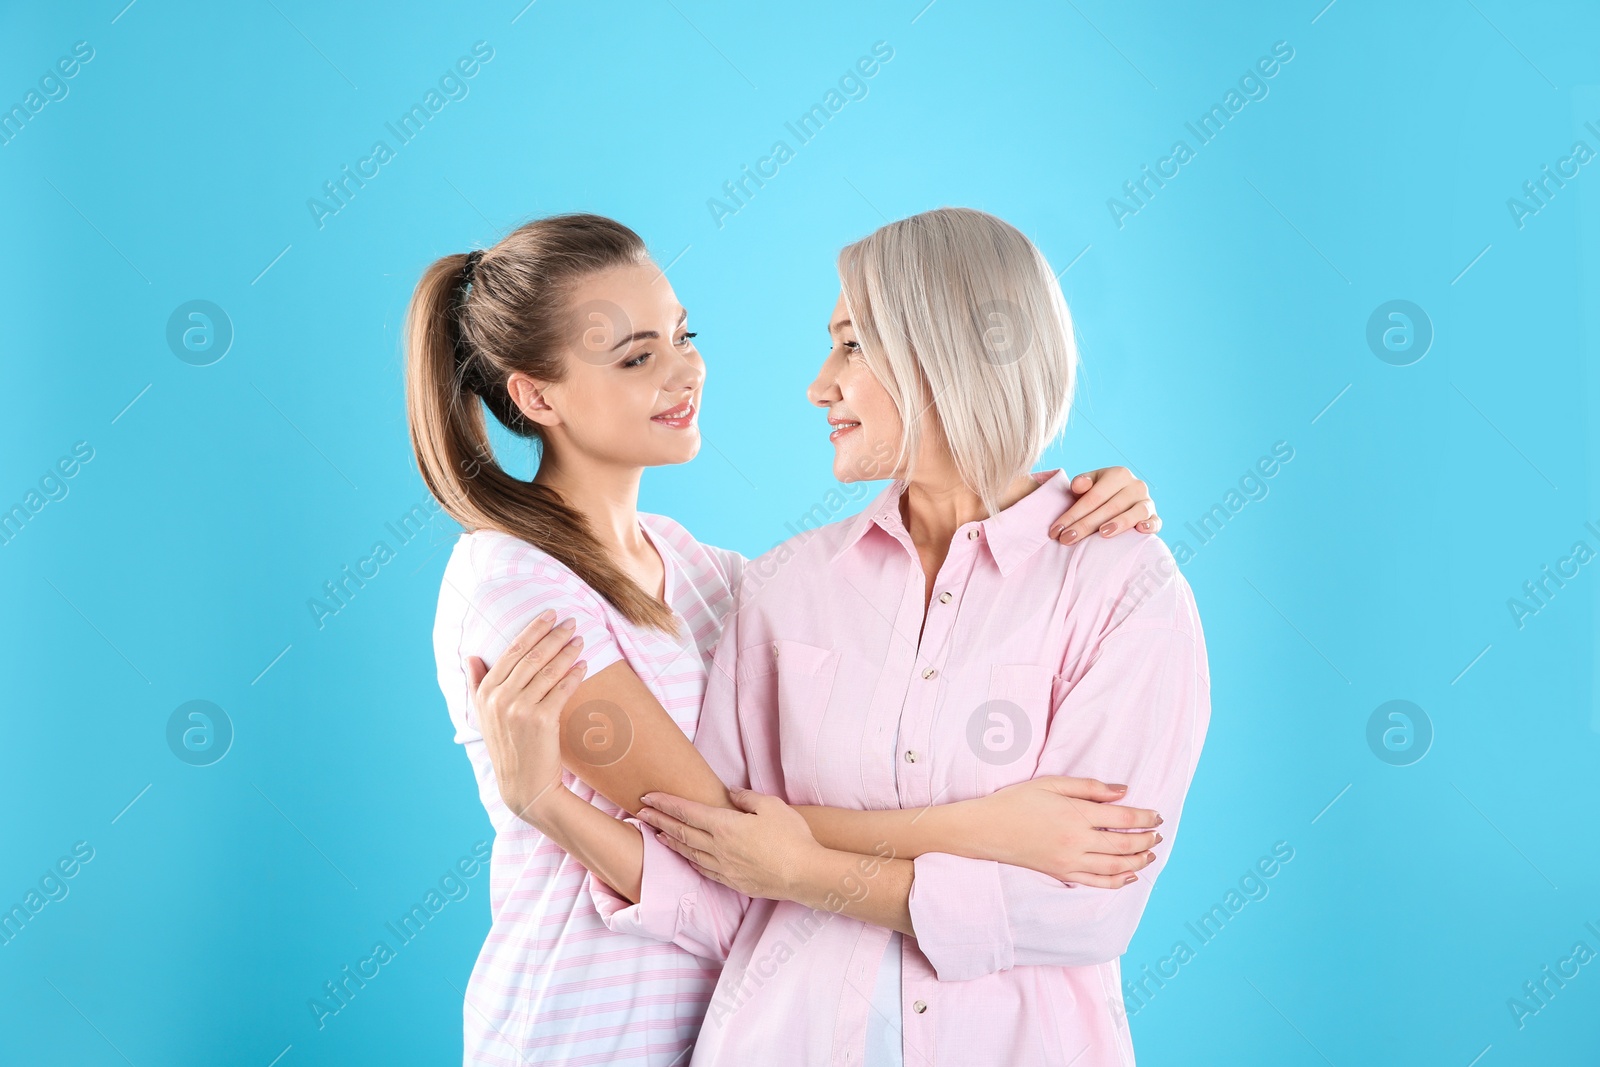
1159 839
1055 532
1072 535
576 642
1107 529
1130 879
1159 819
568 624
649 798
546 615
1118 786
581 665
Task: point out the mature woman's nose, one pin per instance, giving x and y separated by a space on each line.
823 390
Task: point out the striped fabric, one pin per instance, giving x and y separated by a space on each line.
552 984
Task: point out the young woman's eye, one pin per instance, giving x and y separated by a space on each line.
687 337
637 361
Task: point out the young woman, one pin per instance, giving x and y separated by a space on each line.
570 336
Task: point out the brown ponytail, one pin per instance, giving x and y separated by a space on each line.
463 346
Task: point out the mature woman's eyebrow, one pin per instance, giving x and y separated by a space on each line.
649 335
841 324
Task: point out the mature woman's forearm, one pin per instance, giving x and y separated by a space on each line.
902 832
865 887
609 848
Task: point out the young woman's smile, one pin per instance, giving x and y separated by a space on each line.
678 418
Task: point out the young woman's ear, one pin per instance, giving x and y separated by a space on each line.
529 396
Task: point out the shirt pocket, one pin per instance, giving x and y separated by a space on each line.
805 675
1005 733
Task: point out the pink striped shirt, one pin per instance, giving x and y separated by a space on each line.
1033 659
552 984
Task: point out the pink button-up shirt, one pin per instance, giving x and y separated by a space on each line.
1032 659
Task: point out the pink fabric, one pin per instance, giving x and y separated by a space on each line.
552 984
1035 659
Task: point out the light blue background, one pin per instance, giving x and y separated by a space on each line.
1225 316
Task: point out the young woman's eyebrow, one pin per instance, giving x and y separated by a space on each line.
649 335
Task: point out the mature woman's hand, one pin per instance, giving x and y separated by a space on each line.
1111 500
519 706
760 850
1068 828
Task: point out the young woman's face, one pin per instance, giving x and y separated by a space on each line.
632 391
865 425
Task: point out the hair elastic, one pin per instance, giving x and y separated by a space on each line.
467 271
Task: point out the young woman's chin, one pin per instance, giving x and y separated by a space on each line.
673 447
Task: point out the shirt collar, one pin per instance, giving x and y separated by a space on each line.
1013 535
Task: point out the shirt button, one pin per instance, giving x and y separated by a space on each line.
774 649
929 673
911 757
944 598
972 535
919 1006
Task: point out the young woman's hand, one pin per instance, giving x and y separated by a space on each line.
1068 828
1111 500
760 850
519 706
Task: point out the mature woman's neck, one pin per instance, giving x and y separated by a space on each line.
937 503
605 494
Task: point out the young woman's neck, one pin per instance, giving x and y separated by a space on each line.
605 494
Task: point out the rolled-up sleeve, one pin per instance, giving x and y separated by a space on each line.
1137 715
677 904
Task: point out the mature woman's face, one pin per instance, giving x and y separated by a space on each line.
866 429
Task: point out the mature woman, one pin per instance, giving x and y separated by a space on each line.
933 648
571 337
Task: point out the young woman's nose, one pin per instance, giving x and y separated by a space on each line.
687 373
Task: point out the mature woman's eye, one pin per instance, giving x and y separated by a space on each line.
637 361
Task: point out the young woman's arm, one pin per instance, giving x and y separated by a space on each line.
618 739
1110 500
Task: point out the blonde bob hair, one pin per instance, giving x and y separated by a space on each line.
959 314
